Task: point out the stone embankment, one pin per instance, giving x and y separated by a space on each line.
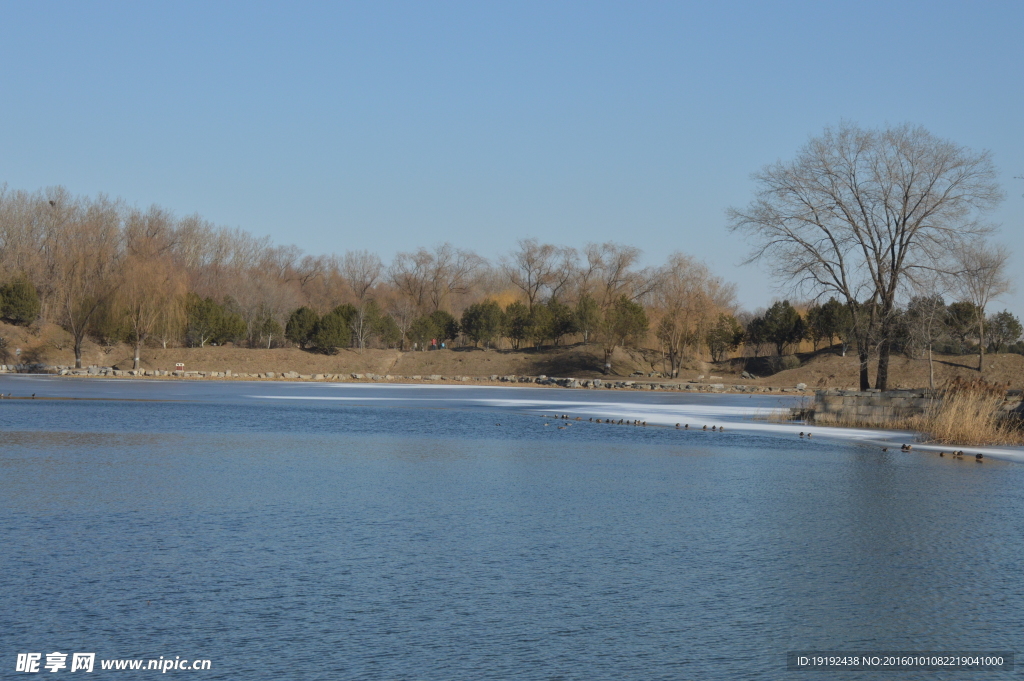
874 407
595 383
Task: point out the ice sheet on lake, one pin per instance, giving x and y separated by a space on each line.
754 418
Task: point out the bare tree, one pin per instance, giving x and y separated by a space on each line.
451 274
151 287
361 270
926 315
689 299
532 269
84 266
981 277
610 271
404 312
431 279
860 212
151 291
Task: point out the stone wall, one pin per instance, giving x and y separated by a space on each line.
874 407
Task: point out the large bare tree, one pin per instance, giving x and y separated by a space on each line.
860 212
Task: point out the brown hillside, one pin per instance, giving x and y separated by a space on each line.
50 345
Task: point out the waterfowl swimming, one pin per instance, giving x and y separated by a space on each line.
713 428
721 429
705 427
801 433
978 457
942 453
885 449
808 434
677 426
686 426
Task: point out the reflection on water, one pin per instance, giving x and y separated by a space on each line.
320 539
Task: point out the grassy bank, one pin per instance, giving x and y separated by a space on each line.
49 345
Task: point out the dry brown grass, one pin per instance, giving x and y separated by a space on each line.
970 414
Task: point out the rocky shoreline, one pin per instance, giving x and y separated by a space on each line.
632 383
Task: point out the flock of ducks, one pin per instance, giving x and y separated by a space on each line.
958 454
625 422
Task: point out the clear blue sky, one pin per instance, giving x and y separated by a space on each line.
387 125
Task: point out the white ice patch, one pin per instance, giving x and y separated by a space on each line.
736 418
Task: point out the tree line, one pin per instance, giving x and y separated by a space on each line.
923 326
104 270
107 271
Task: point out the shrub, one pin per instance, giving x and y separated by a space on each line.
19 302
482 322
517 323
208 321
445 325
334 330
301 325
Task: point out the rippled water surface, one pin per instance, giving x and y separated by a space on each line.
380 532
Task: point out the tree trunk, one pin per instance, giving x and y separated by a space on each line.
78 352
981 344
931 369
862 354
882 377
608 360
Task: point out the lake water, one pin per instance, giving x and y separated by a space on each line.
318 531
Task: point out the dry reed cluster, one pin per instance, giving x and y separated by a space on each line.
970 413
